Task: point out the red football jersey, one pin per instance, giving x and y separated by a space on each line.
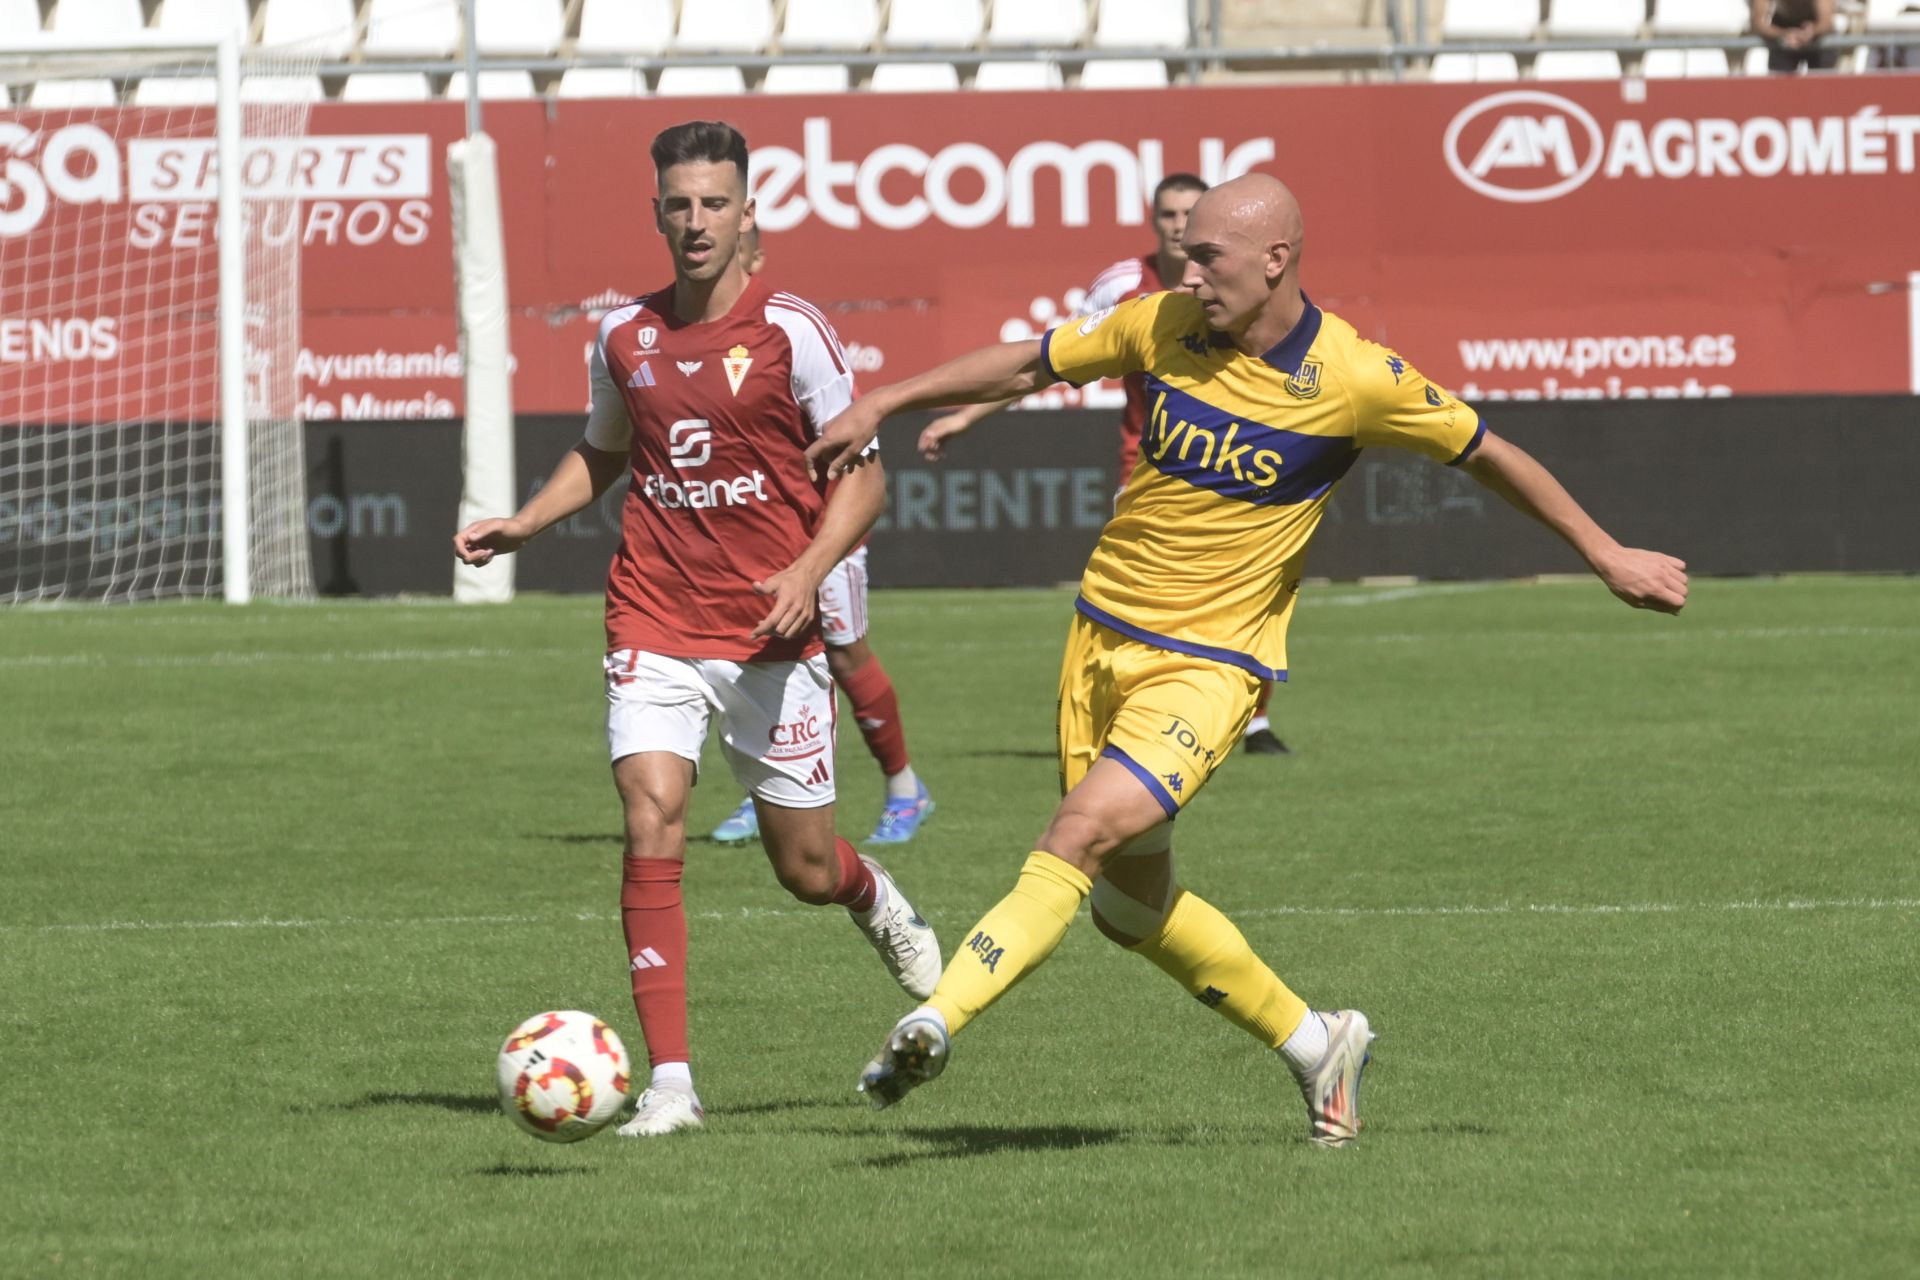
1127 278
714 417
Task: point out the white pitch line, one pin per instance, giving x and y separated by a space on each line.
763 913
260 657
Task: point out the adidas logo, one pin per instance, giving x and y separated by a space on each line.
643 376
647 958
821 775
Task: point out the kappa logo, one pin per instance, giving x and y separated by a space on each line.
1305 384
1398 366
1174 782
643 376
1212 997
736 364
1526 146
981 945
690 442
648 335
1194 343
688 367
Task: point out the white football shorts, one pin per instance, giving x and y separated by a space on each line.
776 718
843 600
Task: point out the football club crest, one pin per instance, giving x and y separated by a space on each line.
1305 384
736 364
1433 395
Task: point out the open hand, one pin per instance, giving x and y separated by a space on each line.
796 596
942 429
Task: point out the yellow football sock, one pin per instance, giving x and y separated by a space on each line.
1201 950
1011 940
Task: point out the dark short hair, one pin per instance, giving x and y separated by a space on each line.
1177 182
710 140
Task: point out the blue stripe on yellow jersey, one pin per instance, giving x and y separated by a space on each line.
1239 455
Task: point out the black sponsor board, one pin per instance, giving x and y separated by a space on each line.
1736 486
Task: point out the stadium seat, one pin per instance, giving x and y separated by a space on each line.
6 98
386 86
1019 75
1699 17
933 24
1124 73
1676 64
1141 24
209 18
1045 24
1755 63
830 24
19 20
914 77
725 26
282 89
701 82
497 84
1597 18
1463 68
530 28
176 91
602 82
1893 15
96 17
73 93
316 28
1490 19
807 77
1576 64
625 26
412 28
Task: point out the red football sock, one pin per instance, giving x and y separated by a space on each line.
877 711
656 926
857 886
1266 694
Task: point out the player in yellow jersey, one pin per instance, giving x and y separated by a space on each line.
1258 404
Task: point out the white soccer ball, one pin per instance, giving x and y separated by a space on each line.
563 1075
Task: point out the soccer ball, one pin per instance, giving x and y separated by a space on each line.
563 1075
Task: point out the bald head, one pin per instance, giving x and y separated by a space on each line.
1243 243
1256 206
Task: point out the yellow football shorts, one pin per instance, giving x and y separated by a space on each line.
1168 717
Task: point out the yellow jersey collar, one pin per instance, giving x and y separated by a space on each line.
1287 354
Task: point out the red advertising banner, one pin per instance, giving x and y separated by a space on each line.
1555 241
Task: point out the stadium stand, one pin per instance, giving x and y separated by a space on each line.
402 50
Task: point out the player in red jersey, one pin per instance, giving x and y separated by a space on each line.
857 669
1173 197
708 391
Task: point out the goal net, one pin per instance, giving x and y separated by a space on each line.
149 440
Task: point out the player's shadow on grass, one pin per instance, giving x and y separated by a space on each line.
463 1103
960 1142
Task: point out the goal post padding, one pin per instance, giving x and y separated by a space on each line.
486 447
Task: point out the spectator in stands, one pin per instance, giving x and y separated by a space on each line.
1792 30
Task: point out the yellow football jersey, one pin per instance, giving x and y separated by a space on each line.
1238 456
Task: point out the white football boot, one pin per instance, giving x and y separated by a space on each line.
1332 1087
663 1108
905 942
914 1053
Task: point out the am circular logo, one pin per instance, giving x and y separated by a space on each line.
1524 146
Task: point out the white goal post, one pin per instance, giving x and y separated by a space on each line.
149 440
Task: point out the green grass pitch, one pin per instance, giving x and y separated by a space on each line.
1633 902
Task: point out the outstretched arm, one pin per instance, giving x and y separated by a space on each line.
582 476
934 437
1644 579
999 372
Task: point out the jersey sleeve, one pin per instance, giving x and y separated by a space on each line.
1106 344
822 379
608 427
1395 406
